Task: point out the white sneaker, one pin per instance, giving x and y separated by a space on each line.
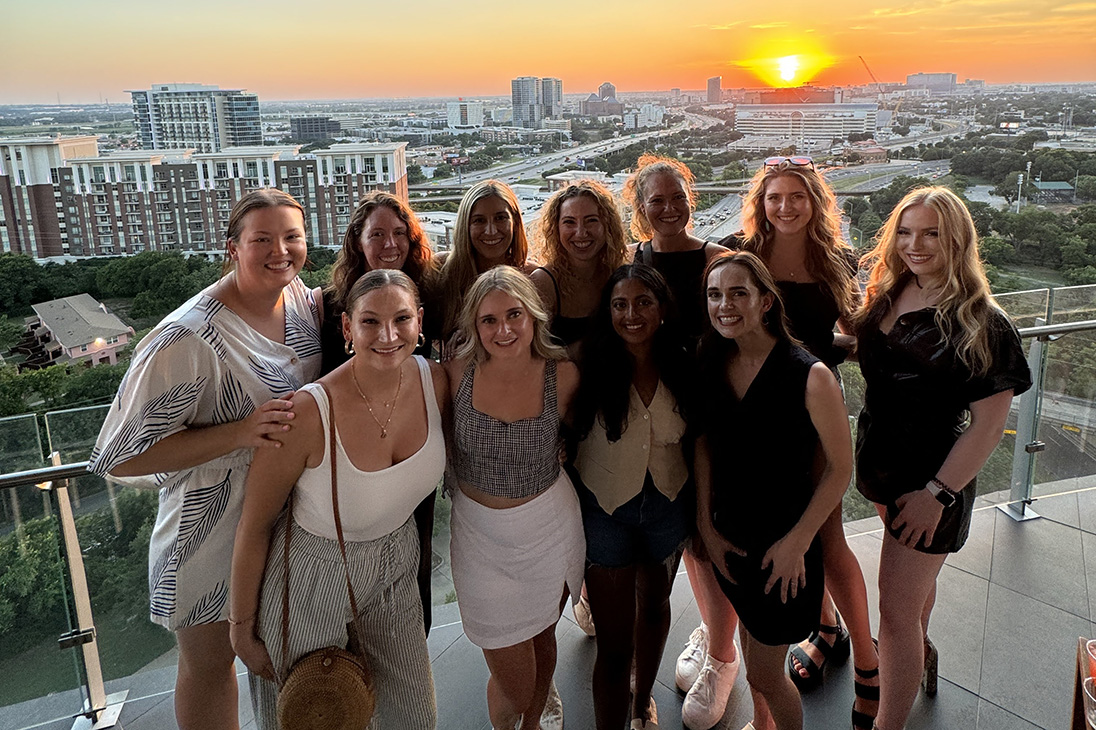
552 717
691 659
583 617
707 700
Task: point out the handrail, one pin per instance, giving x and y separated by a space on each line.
44 474
1050 330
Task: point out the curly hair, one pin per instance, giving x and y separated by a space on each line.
351 264
828 256
460 268
634 189
555 256
965 300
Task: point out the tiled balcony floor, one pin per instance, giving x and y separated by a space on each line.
1010 608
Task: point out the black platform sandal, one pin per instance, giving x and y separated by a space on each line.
837 652
868 692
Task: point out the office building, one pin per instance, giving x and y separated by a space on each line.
932 82
799 122
61 198
552 97
715 90
313 128
606 91
196 116
526 95
465 115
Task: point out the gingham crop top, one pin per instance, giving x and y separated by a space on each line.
512 460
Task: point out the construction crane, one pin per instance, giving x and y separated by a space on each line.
879 86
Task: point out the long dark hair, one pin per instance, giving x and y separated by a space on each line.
606 367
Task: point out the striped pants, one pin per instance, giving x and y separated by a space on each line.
383 574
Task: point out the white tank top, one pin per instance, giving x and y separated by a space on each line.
372 504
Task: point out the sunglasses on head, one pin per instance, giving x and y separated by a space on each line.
798 161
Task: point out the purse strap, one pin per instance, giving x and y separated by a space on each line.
338 532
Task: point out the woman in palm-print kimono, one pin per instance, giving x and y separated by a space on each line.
206 387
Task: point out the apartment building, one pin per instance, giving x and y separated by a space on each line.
196 116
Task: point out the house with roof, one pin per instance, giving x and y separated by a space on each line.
72 329
1052 192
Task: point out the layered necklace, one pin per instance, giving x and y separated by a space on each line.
382 426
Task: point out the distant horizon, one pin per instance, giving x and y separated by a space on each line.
343 50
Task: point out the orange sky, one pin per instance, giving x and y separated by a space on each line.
84 51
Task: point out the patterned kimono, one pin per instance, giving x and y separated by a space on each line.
202 366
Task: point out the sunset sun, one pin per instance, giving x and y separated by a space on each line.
788 65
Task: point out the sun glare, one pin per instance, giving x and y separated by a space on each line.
788 66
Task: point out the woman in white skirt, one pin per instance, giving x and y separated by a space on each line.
389 454
517 543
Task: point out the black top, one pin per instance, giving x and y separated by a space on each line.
811 310
566 330
684 273
333 344
762 448
918 393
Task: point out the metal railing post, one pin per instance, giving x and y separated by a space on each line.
1027 426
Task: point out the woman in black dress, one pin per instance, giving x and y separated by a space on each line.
791 221
768 407
933 348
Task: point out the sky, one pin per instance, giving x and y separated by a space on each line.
79 51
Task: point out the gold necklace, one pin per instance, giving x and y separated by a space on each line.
383 426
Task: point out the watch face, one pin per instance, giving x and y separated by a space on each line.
945 498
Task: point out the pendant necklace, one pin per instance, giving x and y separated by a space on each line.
383 426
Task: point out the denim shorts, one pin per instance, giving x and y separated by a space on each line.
649 528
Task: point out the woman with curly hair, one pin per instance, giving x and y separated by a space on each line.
584 242
791 221
941 363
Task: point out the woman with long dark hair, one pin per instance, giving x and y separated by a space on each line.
941 363
632 474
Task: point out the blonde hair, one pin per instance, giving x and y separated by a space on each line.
828 256
459 270
510 281
634 194
965 301
555 256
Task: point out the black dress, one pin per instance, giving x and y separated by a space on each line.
566 330
684 273
918 394
762 451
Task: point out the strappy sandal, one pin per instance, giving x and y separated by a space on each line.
930 679
836 652
867 692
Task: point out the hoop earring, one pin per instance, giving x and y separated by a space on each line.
768 226
422 339
348 346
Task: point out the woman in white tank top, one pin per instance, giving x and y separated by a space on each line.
389 454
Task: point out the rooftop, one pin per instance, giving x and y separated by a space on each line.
78 320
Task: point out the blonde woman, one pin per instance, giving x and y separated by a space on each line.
933 348
583 242
517 542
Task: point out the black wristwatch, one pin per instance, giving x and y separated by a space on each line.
940 491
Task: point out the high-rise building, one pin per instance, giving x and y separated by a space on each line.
61 198
465 114
196 116
932 82
313 128
715 90
526 95
552 97
606 91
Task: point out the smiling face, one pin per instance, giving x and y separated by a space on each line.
270 249
384 325
384 240
504 326
491 229
787 204
735 304
666 203
635 312
581 228
918 243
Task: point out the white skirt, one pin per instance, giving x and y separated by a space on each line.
510 565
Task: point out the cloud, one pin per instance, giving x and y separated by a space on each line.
722 26
896 12
1075 8
767 26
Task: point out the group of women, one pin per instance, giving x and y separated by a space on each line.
596 420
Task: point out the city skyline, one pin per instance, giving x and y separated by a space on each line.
85 53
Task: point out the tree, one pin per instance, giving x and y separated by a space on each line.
1008 187
10 332
1086 187
415 175
443 171
870 223
21 283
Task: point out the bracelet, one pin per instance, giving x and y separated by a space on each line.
234 622
943 486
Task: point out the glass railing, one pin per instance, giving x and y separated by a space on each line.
113 523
